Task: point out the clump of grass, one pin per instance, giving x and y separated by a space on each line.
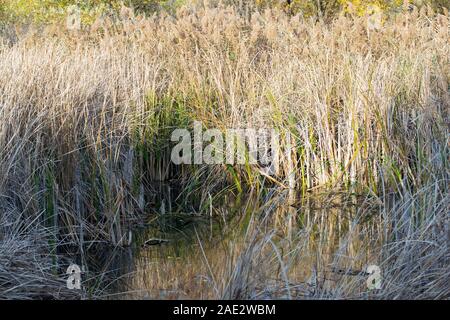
27 269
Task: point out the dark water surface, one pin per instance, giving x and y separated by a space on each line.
180 256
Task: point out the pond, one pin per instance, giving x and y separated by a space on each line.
269 251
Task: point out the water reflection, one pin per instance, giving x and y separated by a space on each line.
259 254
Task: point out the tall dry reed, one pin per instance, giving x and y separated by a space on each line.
85 117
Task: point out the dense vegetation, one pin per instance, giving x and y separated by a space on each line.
86 116
45 11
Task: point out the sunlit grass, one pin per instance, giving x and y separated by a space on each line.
86 117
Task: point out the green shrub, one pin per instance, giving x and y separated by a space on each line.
48 11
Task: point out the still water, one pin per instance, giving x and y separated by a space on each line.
179 256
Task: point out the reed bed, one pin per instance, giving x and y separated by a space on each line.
86 117
27 268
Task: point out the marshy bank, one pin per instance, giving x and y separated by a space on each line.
85 125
